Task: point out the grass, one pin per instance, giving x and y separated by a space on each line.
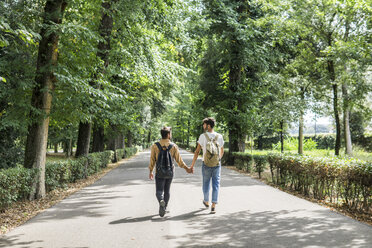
56 157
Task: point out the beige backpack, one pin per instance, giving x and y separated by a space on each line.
211 157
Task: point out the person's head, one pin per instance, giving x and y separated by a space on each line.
166 132
208 123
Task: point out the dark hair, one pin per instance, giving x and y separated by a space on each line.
165 131
209 121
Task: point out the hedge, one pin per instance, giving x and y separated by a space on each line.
346 181
247 162
15 183
130 151
340 181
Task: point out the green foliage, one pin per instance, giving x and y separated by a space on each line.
345 181
15 185
323 141
130 151
291 144
342 181
11 152
120 154
59 174
246 161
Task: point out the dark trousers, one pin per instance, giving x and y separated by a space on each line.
162 189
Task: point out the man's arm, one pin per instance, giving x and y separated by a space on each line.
221 152
179 160
196 154
152 162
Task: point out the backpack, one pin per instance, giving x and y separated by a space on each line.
164 166
211 157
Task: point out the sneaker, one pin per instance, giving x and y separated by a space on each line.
162 208
213 210
206 204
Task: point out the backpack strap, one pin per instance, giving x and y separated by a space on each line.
158 145
161 148
170 146
209 139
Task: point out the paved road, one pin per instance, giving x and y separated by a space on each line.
121 210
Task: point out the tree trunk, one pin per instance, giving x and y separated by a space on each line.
281 136
233 146
301 135
36 144
236 136
56 148
129 139
113 142
347 134
104 47
331 71
332 75
83 141
259 142
301 125
188 132
148 138
112 145
241 142
121 142
98 138
67 147
346 107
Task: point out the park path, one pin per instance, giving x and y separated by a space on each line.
120 210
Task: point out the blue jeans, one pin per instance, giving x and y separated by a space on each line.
209 173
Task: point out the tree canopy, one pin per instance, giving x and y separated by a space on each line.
123 69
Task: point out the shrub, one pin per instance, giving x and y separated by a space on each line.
130 151
339 180
336 179
57 175
15 184
325 141
119 154
247 162
78 168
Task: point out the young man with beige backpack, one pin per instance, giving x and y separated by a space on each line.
212 145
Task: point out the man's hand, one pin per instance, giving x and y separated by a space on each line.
190 170
151 176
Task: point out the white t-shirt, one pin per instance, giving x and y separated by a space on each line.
203 141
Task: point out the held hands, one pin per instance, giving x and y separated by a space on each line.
190 169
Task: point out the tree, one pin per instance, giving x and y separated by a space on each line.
326 27
232 65
41 101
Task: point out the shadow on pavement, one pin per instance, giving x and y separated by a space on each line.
182 217
271 229
13 241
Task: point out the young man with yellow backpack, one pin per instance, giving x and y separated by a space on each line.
212 145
